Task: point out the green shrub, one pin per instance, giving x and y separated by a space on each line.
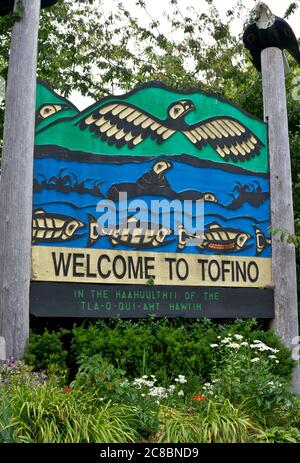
244 374
249 329
153 347
46 351
165 348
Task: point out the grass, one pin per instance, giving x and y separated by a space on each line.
212 423
48 415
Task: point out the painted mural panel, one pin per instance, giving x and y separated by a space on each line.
155 151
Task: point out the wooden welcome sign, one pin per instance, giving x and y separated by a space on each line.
119 191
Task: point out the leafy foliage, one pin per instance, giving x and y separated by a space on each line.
47 349
109 383
245 378
279 434
164 348
244 402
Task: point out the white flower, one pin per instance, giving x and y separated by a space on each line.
215 380
171 387
234 345
262 347
149 383
244 343
214 345
181 379
139 382
257 340
226 340
180 393
143 395
159 392
238 336
271 383
277 361
207 384
219 337
254 360
272 356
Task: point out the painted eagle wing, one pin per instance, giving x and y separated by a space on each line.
120 123
228 136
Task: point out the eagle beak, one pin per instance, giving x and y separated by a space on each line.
189 107
258 10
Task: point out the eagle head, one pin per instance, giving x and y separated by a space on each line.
161 166
264 16
179 109
48 110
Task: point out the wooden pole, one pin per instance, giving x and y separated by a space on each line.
16 182
282 216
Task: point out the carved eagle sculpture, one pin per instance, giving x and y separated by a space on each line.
120 123
269 31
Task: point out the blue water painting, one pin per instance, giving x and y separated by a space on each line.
237 200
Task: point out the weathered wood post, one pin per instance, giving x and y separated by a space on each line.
282 216
16 182
265 39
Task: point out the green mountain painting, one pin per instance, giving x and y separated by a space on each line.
154 120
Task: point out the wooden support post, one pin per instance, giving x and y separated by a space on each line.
16 182
284 264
